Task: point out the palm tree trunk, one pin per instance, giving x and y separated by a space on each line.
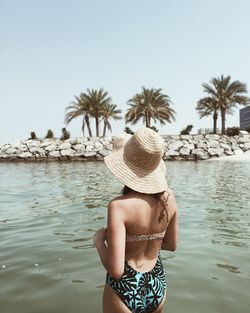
223 121
215 117
104 130
88 125
147 119
97 126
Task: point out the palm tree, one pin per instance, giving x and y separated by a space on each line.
96 100
78 108
150 104
227 95
110 111
208 106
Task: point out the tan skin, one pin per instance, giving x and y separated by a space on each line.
134 213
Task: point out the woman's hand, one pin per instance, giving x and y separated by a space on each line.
100 236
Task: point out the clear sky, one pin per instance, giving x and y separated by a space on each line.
51 50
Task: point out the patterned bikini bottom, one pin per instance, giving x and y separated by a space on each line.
141 292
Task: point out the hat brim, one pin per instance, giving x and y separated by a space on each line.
149 183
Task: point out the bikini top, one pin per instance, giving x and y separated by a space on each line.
136 238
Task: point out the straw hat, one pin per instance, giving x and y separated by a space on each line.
139 163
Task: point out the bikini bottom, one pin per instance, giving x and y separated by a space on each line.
141 292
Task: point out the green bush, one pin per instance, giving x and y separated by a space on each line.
186 130
154 128
65 134
128 131
233 131
33 136
50 134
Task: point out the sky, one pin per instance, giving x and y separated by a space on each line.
52 50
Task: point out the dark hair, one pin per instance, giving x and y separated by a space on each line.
161 201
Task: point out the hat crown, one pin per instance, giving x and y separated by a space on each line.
144 150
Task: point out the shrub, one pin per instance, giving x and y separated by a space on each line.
128 131
186 130
50 134
154 128
65 134
33 136
233 131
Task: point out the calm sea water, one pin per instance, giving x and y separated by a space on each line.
49 212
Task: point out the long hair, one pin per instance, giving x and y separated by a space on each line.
161 201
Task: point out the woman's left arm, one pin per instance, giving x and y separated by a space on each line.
112 255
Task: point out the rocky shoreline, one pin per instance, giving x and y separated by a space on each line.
177 147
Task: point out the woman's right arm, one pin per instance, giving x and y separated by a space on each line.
170 239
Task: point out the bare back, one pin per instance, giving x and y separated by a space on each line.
142 215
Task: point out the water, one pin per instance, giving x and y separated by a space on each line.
49 212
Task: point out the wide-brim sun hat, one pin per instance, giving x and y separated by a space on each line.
138 164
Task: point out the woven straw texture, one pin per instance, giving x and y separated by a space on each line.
139 163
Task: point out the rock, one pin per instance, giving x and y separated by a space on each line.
189 146
171 153
89 148
184 151
247 145
238 152
201 145
98 146
229 152
212 136
78 147
225 146
50 148
200 154
175 145
88 154
244 139
235 147
104 152
68 152
174 137
243 132
35 150
47 142
12 151
198 137
32 143
213 144
215 151
25 155
186 137
64 146
55 154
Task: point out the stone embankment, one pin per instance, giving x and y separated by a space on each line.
177 147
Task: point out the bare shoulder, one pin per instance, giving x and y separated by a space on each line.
169 198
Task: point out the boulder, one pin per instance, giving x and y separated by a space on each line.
25 155
212 136
213 144
175 145
50 148
65 146
247 145
171 153
225 146
55 154
68 152
229 152
215 151
184 151
186 137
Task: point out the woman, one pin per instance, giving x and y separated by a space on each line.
140 223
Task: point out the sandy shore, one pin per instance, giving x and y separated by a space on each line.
242 157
